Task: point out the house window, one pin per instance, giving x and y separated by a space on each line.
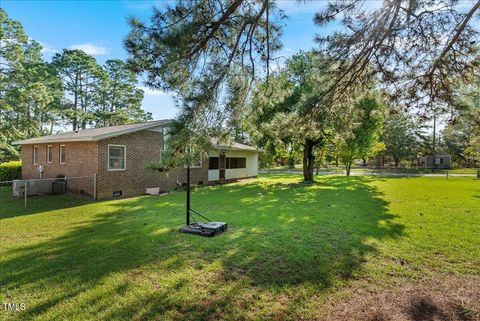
49 153
236 162
213 163
62 154
116 157
34 157
438 160
166 137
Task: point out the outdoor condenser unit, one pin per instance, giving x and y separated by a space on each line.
34 187
18 188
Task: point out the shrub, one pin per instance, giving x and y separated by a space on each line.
10 171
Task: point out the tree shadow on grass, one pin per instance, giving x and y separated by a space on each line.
15 206
282 238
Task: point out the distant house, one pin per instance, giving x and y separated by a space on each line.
118 157
439 159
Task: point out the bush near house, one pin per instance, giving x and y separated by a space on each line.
10 171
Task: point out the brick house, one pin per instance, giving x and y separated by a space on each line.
118 156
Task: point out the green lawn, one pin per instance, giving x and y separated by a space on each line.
293 251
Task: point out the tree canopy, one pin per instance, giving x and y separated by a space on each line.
205 52
415 49
39 97
365 133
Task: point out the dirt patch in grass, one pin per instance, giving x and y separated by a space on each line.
437 299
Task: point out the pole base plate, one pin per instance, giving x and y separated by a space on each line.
205 229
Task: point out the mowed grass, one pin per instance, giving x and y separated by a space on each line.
289 250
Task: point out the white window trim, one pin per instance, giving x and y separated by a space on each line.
60 153
35 150
124 158
49 148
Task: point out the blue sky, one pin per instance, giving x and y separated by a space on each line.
99 27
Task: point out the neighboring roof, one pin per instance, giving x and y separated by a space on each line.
93 134
439 152
233 146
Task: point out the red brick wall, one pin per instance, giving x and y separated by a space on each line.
87 158
141 148
81 159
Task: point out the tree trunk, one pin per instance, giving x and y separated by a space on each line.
75 104
348 166
28 119
308 160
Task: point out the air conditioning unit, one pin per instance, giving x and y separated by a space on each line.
34 187
18 188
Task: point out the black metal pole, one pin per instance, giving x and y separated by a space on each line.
188 195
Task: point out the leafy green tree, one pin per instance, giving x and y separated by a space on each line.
36 96
118 100
194 47
206 53
286 107
461 136
417 49
367 119
82 78
401 136
30 91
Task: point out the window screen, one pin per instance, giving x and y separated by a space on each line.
236 162
62 154
34 157
49 153
116 157
213 163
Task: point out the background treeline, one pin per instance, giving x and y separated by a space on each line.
376 81
287 122
71 91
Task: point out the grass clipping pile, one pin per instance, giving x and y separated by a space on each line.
447 298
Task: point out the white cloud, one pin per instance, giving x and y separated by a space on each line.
152 92
47 49
90 48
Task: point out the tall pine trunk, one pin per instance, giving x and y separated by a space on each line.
75 104
308 160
